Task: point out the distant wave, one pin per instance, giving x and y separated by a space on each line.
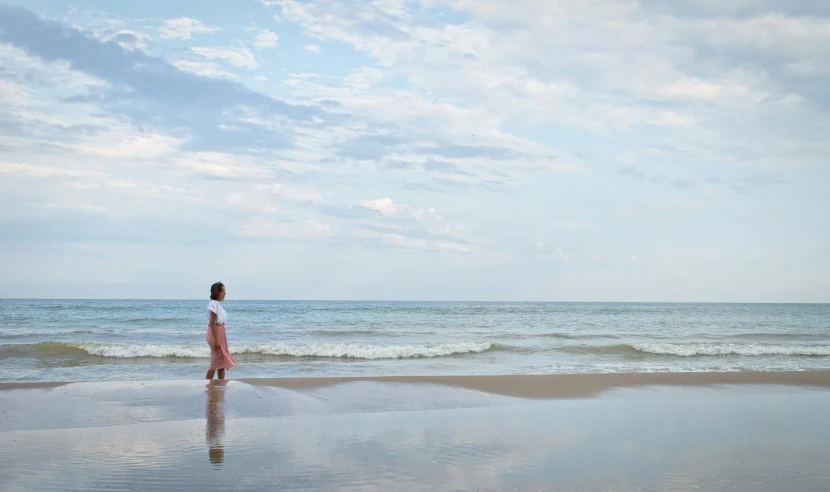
333 350
347 332
749 349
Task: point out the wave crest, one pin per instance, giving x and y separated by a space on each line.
332 350
751 349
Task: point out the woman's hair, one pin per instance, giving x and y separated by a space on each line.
215 289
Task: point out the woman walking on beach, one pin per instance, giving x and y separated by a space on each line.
220 356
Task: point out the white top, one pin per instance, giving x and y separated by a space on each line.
221 315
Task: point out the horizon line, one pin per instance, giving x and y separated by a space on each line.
400 300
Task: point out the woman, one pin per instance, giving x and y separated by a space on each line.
220 356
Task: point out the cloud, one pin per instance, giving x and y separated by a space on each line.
266 39
403 241
563 254
291 193
183 28
313 48
215 114
46 171
131 40
726 82
239 57
382 205
205 69
539 245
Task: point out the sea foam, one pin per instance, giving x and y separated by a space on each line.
334 350
749 349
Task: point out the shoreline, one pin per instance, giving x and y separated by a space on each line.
648 431
532 386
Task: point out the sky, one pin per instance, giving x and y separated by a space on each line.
523 150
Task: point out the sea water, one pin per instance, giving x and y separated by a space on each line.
87 340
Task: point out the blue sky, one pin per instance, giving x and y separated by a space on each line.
592 150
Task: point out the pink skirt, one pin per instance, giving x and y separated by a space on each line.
222 358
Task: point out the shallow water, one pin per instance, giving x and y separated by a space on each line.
48 340
376 436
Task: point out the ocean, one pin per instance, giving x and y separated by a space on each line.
97 340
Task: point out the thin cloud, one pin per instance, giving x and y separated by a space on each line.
266 39
239 57
184 28
382 205
157 92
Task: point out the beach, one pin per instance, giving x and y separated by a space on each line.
590 432
375 396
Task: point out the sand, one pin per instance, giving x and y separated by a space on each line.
569 385
638 432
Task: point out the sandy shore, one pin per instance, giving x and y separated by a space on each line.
569 385
541 386
635 432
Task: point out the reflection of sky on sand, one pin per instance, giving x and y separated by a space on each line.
429 437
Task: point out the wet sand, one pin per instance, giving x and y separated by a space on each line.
569 385
638 432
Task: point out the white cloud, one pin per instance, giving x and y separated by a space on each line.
46 171
403 241
131 40
127 145
221 165
147 190
266 39
239 56
184 28
14 94
562 254
313 48
204 68
539 245
620 65
291 193
382 205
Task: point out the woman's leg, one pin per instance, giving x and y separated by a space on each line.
210 373
221 374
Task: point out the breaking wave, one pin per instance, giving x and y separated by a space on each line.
749 349
332 350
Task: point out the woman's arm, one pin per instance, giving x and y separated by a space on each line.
212 328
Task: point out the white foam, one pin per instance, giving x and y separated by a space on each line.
142 350
750 349
357 351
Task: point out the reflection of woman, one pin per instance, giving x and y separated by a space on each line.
215 428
